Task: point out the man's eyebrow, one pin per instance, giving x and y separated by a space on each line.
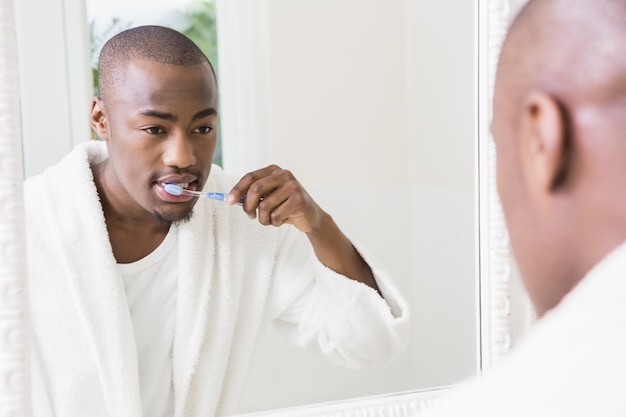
169 116
204 113
158 115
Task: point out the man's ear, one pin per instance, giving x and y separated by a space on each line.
99 121
546 140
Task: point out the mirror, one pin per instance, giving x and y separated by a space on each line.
384 97
356 98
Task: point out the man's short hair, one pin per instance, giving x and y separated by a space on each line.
152 43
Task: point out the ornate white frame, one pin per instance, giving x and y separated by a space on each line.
495 261
494 253
14 384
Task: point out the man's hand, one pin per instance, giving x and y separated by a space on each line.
275 196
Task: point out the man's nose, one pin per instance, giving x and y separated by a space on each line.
179 151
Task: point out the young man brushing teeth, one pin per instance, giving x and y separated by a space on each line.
148 303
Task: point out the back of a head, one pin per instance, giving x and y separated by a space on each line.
575 52
575 49
559 121
152 43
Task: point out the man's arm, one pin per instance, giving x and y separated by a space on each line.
335 251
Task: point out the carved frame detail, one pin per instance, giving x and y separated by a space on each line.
495 255
14 370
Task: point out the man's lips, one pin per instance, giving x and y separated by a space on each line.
164 195
183 180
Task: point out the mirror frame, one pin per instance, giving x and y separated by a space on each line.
498 293
14 385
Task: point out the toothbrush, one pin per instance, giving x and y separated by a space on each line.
174 189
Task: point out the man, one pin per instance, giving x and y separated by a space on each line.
559 126
147 303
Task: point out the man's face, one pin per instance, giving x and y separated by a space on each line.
161 128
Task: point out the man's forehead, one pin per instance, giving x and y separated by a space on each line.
166 94
156 67
154 74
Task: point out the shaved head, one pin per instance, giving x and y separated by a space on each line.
559 123
575 50
150 43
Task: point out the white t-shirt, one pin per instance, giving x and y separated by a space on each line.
150 285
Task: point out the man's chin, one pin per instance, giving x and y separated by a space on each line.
174 218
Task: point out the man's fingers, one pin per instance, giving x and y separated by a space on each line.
274 196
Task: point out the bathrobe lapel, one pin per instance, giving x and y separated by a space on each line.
206 291
97 290
195 283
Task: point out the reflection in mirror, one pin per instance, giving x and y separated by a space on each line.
372 105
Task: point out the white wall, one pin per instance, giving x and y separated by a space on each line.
443 153
371 104
55 79
338 73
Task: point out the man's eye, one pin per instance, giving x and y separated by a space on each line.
154 130
203 130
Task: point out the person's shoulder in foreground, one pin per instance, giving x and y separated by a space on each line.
559 127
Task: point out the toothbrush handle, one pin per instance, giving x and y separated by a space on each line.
217 196
222 197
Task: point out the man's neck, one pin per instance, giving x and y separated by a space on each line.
131 237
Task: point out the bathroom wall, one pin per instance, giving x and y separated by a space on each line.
373 108
55 79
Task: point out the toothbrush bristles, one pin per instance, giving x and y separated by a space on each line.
173 189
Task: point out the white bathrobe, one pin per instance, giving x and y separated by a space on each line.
235 277
572 363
